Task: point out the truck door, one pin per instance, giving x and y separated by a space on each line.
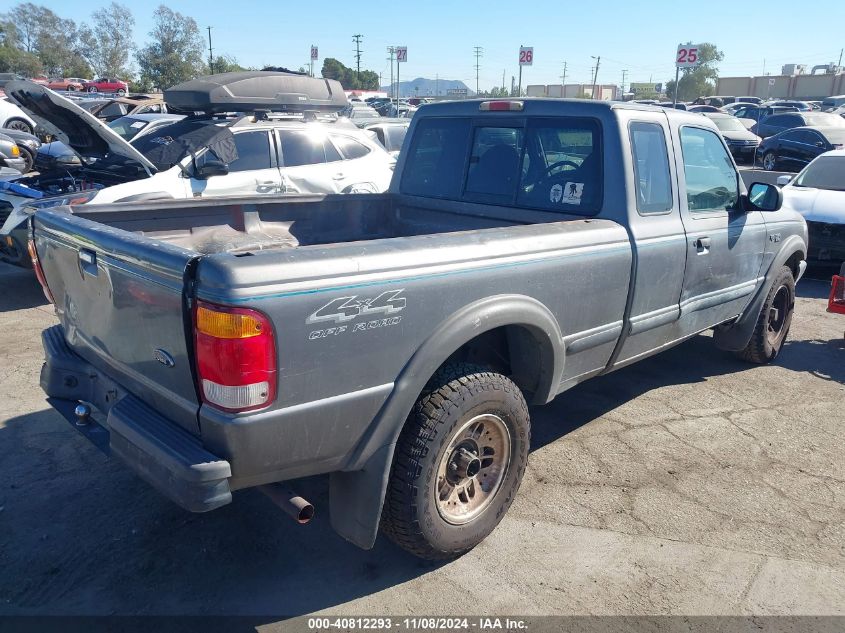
658 239
725 244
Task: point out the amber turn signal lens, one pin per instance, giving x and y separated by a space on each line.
227 324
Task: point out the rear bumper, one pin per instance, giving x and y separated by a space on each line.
166 456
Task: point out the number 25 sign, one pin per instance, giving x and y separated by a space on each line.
687 56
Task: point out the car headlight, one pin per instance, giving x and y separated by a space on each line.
68 159
16 151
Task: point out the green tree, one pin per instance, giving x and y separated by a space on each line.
174 54
699 81
348 77
226 64
108 42
36 40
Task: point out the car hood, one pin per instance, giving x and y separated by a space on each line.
816 205
740 135
84 133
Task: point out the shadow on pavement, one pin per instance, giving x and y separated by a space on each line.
19 289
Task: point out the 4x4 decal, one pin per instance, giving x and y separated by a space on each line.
345 309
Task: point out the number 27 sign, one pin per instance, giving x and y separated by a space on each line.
687 56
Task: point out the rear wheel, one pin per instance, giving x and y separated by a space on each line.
770 161
458 463
774 320
92 88
20 125
121 93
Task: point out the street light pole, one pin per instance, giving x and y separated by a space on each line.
596 74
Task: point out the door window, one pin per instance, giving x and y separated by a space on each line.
305 147
350 148
253 151
652 181
711 178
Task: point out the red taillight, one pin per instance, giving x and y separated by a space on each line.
39 272
836 302
236 357
501 106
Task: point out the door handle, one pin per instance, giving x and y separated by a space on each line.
88 261
702 245
338 176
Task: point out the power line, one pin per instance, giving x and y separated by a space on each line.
478 52
357 39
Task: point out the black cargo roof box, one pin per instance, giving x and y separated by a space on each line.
256 90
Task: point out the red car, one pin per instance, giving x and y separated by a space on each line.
106 84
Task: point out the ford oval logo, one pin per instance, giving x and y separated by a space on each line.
164 358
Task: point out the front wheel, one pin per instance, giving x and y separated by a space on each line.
770 161
458 463
121 93
92 89
774 320
18 124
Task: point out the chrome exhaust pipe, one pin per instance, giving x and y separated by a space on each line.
298 508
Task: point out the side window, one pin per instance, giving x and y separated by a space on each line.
434 167
350 148
711 178
114 109
253 151
652 180
493 163
306 147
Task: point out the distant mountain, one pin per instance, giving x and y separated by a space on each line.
422 87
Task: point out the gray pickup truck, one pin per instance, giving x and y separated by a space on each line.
393 341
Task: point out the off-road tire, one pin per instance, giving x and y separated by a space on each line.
457 393
762 348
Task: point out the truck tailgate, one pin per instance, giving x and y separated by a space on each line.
120 298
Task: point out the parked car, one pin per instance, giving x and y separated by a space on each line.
801 106
29 144
793 149
832 103
818 194
775 123
671 104
749 99
390 133
394 342
71 84
10 154
107 84
756 113
57 155
13 118
197 157
112 109
359 111
742 143
733 107
701 109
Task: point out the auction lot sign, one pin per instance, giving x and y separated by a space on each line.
687 56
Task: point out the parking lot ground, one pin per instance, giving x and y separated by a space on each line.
690 483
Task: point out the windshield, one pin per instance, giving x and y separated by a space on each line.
728 125
826 172
127 127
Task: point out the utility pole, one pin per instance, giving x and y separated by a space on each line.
479 52
563 81
437 84
503 82
357 39
596 73
624 77
841 50
210 53
392 51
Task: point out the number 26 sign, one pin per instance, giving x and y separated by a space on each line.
687 56
526 55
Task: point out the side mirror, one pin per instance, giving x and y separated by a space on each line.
785 179
764 197
211 167
819 143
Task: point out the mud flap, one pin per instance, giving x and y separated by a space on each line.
355 498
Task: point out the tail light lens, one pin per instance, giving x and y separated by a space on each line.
836 302
39 272
236 357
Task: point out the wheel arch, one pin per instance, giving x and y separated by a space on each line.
734 337
533 338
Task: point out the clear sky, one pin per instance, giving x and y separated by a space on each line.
638 36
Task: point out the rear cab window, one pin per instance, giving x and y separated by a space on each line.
552 163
